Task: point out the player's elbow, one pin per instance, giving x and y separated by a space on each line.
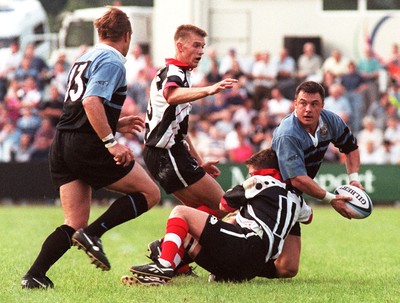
287 272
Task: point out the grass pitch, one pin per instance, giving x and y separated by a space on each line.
342 261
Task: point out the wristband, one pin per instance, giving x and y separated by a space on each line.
354 177
111 144
107 138
329 197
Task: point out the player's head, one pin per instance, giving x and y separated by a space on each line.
189 44
114 26
265 158
310 87
184 31
308 104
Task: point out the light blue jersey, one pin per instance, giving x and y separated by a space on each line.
299 153
100 72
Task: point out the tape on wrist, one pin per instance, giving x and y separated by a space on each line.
107 138
329 197
111 143
354 177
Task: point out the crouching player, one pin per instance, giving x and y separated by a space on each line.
231 252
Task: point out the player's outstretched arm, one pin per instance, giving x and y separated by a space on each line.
179 95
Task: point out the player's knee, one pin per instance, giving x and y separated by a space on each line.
153 197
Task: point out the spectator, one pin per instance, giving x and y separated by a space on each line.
30 94
242 152
264 73
135 62
232 138
244 114
12 100
392 131
38 64
309 64
370 133
286 74
9 138
369 68
28 122
21 152
370 153
227 61
139 90
52 106
9 62
210 62
378 110
278 106
214 147
213 76
24 70
354 86
336 63
261 132
338 103
393 64
46 130
59 76
40 149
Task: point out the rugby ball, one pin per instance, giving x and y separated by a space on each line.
361 204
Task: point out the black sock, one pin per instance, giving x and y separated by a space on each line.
123 209
53 248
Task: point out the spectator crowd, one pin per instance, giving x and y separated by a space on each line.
228 126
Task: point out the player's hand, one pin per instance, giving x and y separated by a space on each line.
122 154
211 169
357 184
220 86
130 124
340 206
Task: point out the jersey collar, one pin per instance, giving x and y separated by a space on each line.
268 172
105 46
172 61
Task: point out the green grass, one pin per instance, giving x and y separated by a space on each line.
342 261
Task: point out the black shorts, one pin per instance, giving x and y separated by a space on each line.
231 252
173 168
82 156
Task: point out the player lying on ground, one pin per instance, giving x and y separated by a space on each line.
232 252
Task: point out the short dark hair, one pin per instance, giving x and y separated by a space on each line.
184 30
113 25
310 87
265 158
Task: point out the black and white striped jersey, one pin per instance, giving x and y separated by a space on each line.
267 208
167 124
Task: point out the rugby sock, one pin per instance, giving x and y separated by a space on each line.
121 210
53 248
210 211
172 248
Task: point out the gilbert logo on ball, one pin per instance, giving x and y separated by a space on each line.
360 205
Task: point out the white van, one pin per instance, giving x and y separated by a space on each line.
77 29
25 21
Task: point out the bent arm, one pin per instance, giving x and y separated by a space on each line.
96 114
308 186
